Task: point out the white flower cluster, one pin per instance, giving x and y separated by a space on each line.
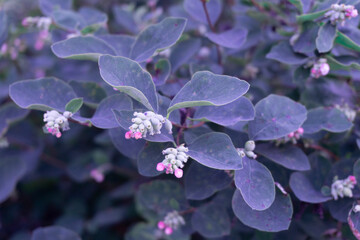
343 188
147 122
172 221
56 121
42 23
174 160
349 112
320 68
341 12
248 150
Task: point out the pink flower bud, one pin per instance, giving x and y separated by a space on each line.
39 44
179 173
161 225
300 130
50 130
97 175
290 135
4 48
128 135
138 135
25 22
58 135
160 167
354 13
168 231
352 179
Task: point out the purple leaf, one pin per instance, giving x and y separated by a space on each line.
215 150
256 184
284 54
127 76
54 233
233 38
182 52
196 10
276 116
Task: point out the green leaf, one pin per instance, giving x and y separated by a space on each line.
298 4
74 105
208 89
310 16
345 41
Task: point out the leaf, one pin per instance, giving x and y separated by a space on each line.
326 37
157 36
74 105
306 41
54 233
307 185
340 208
298 4
233 38
310 16
48 6
68 20
126 146
127 76
104 117
3 27
12 169
274 219
149 157
196 10
91 92
9 112
42 94
202 182
92 16
125 19
183 51
120 43
275 117
283 53
208 89
84 48
256 184
345 41
227 115
354 223
162 71
160 197
124 120
141 231
288 156
211 221
215 150
331 120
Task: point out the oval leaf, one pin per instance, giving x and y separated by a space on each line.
42 94
274 219
74 105
196 10
326 37
215 150
233 38
276 116
288 156
256 184
208 89
157 36
127 76
54 233
283 53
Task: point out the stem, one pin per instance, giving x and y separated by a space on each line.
213 30
190 210
271 14
329 153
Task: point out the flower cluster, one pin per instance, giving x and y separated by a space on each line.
174 160
341 12
343 188
56 121
291 137
320 68
147 122
172 221
43 24
248 150
349 112
13 49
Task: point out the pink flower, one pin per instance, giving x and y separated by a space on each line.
4 48
161 225
352 179
300 130
324 69
290 135
138 135
168 231
58 134
128 135
179 173
97 175
160 167
25 22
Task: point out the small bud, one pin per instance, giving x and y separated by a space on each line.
161 225
138 135
179 173
160 167
250 145
128 135
168 231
